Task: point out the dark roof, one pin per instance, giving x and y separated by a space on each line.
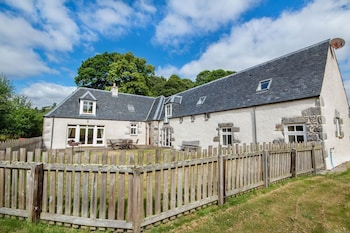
294 76
126 107
298 75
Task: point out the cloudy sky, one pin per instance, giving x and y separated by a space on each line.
43 42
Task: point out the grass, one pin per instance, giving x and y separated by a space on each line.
304 204
10 225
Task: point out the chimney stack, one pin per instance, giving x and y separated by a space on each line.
114 90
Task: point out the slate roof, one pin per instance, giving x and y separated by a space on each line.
125 107
294 76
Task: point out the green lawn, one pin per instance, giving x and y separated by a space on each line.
305 204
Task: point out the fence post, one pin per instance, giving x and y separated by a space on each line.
221 167
293 158
36 193
313 159
266 168
137 200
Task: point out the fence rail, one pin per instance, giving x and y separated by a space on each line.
96 189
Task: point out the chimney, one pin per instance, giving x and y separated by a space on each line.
114 90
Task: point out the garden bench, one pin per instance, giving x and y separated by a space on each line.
189 145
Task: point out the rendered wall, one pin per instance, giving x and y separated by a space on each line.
334 103
259 124
57 127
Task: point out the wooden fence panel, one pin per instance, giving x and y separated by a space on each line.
100 193
304 161
2 180
280 162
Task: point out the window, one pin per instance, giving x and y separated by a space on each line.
338 129
86 134
131 108
295 133
264 85
87 107
226 134
168 110
133 129
201 100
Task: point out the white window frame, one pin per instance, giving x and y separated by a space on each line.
133 128
261 86
87 107
296 132
226 136
98 134
201 100
168 110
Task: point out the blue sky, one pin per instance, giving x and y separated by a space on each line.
43 42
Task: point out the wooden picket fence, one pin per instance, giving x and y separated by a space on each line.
129 192
16 144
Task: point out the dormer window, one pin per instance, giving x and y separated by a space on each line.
168 110
88 107
87 104
264 85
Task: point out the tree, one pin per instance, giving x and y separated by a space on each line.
175 85
94 71
17 117
6 91
208 76
22 120
157 85
131 74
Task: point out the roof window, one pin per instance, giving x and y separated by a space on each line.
201 100
131 108
264 85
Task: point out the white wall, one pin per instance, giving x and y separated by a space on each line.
267 117
334 99
113 130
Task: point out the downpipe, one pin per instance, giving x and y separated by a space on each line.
331 156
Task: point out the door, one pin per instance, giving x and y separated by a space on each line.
166 136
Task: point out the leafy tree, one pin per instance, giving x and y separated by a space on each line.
175 85
157 85
22 120
131 74
93 72
208 76
6 91
17 117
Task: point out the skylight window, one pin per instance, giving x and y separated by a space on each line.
131 108
201 100
264 85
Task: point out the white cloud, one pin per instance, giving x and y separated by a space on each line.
262 39
45 94
23 5
42 28
166 71
188 18
20 63
115 18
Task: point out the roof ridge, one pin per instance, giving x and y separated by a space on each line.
283 56
258 65
120 93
